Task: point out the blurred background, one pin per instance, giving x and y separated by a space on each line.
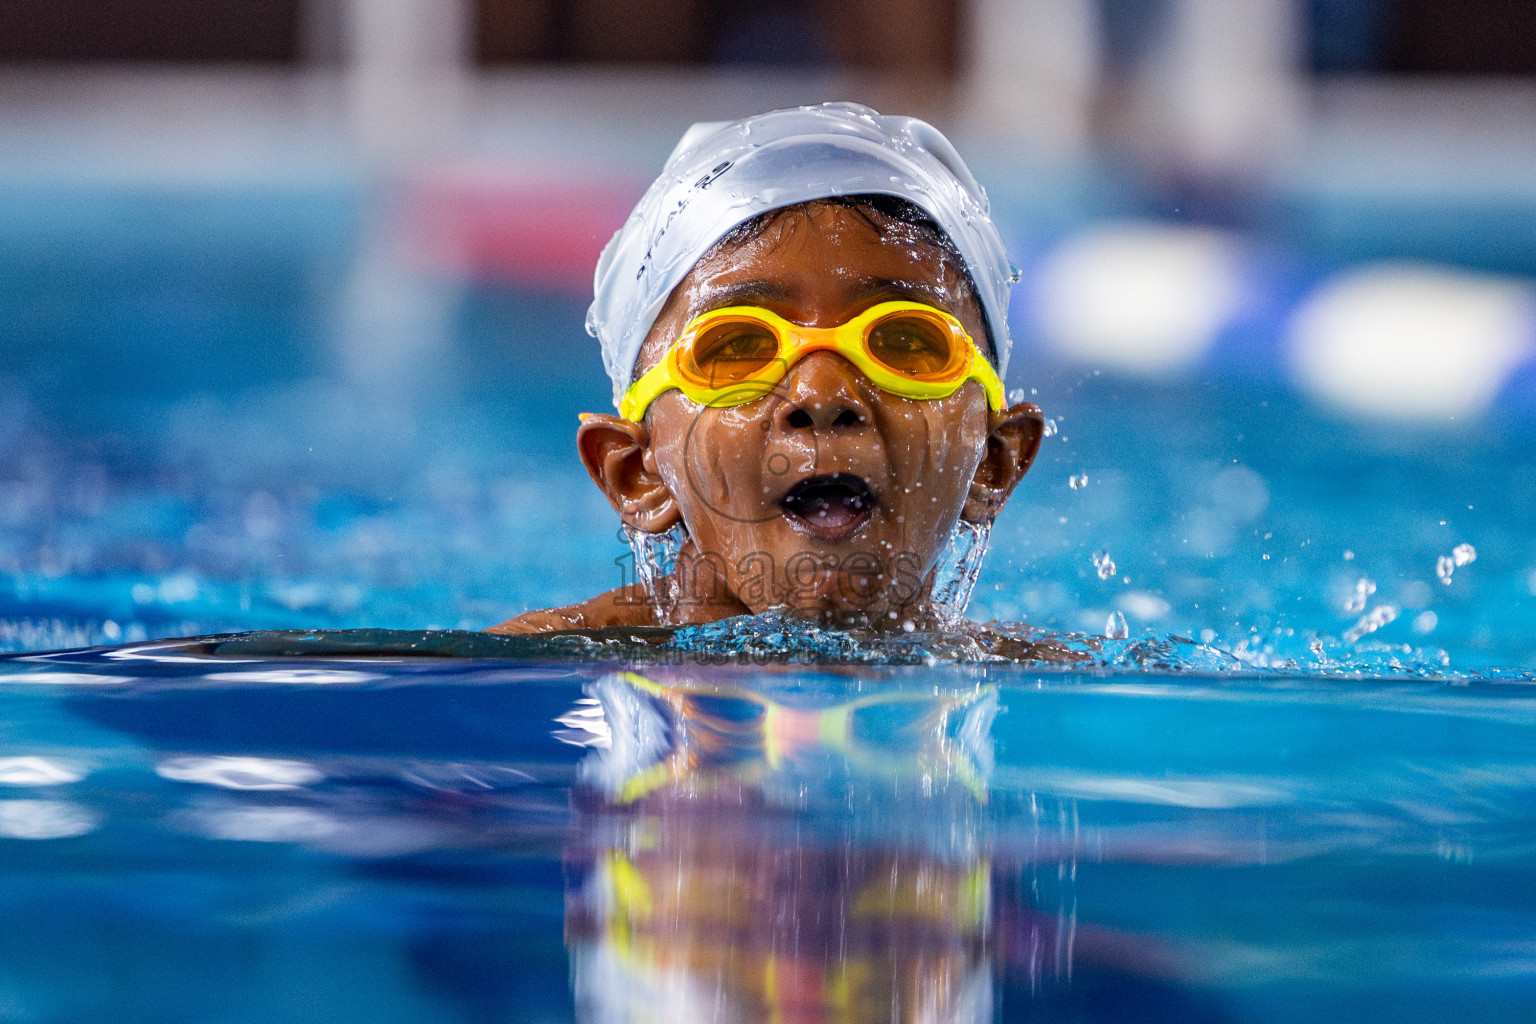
291 299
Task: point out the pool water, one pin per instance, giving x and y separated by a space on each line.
215 414
203 831
1300 782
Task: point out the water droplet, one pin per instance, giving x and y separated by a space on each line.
1426 622
1445 565
1078 481
656 565
1105 564
1015 396
1115 627
954 577
1364 588
1370 622
1349 556
1050 428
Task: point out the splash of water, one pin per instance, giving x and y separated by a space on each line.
780 639
1371 621
656 566
1104 564
1364 588
954 576
774 637
1446 565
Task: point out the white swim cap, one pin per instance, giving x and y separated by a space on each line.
723 173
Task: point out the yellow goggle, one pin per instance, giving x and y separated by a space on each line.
738 354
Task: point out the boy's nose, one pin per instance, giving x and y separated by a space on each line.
822 394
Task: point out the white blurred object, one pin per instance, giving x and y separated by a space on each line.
302 676
405 62
1411 341
317 827
45 819
1143 605
39 771
1240 493
1224 93
1032 70
394 326
264 824
246 773
1144 297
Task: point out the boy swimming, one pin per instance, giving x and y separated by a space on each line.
804 322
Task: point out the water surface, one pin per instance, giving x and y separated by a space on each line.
194 835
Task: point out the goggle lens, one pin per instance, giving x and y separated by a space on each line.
730 352
912 345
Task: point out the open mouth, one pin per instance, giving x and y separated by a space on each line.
831 506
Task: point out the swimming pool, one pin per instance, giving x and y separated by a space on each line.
217 416
205 831
1302 779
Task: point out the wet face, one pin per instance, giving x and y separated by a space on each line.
828 496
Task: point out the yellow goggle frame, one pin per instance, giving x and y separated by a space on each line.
743 379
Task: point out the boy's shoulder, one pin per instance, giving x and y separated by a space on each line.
616 607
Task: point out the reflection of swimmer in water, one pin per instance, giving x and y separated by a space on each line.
711 921
805 324
720 889
734 736
710 900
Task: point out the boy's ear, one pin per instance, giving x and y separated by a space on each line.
1011 447
618 457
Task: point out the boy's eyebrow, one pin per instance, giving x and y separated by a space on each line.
742 293
768 290
869 287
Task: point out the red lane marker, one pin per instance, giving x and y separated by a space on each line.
540 229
